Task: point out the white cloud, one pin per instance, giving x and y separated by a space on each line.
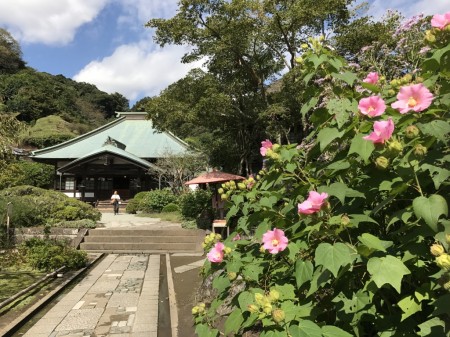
138 12
52 22
135 71
409 8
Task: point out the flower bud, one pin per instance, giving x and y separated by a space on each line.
242 186
395 83
253 308
420 150
395 147
220 191
437 249
443 261
382 163
259 299
407 78
278 315
429 36
194 310
224 197
345 220
304 46
232 275
391 92
274 295
411 131
217 236
299 60
227 250
267 308
262 249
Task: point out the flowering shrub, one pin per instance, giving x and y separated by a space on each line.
346 234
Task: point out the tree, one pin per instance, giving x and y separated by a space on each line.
10 53
175 170
245 45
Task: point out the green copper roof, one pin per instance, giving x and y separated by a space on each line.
112 150
130 129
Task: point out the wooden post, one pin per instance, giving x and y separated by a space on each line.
8 214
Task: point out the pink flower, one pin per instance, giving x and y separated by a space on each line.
371 78
372 106
313 204
414 97
236 237
382 131
275 241
440 21
265 145
216 253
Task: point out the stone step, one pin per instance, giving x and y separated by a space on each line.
141 239
140 247
145 232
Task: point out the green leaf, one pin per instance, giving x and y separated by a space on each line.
436 128
303 272
432 328
409 306
361 147
370 86
327 135
252 271
347 77
341 109
234 321
441 305
245 298
340 191
287 291
305 329
430 209
221 283
339 165
333 331
308 106
373 242
318 60
333 257
202 330
388 270
438 174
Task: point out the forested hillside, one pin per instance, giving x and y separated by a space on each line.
30 95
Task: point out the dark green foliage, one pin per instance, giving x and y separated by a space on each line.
170 208
155 200
36 174
34 206
132 206
140 195
10 53
49 255
197 204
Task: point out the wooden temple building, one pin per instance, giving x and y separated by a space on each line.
117 156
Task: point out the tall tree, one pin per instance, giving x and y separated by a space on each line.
246 44
10 53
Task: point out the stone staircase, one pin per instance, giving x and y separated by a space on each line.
174 240
105 206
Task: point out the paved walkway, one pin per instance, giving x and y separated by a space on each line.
118 297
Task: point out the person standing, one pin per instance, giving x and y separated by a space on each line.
115 200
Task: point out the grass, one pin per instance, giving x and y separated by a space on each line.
170 217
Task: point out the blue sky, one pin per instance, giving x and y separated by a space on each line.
104 42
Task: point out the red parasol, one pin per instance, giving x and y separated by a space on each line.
213 177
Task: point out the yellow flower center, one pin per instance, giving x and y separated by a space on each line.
370 108
274 242
412 102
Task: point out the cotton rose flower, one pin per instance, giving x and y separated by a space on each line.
265 145
415 97
313 204
215 255
372 106
382 131
274 241
371 78
440 21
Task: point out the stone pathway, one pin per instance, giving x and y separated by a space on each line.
118 298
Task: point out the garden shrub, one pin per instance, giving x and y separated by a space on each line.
49 255
346 234
132 206
140 195
196 205
34 206
82 223
170 208
155 200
